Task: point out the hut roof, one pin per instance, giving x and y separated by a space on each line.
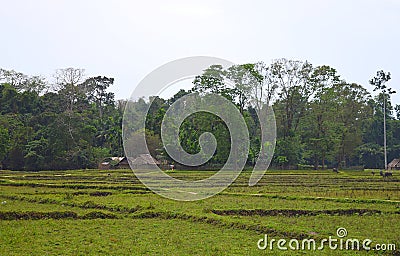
117 158
145 159
394 163
113 160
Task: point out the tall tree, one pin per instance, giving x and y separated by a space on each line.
379 81
352 108
66 84
244 77
319 124
96 90
213 81
265 88
294 90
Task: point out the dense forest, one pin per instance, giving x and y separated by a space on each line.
322 120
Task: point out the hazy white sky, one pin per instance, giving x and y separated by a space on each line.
128 39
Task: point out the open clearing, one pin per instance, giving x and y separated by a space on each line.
92 212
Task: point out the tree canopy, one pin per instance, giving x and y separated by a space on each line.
322 120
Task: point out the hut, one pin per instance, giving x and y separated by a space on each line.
115 162
122 163
104 165
144 161
394 165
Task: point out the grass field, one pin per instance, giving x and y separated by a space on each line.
92 212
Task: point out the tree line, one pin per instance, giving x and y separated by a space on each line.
69 124
322 120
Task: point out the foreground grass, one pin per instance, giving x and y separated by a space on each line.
94 212
122 237
130 237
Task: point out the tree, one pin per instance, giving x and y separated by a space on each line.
244 77
351 109
4 144
370 155
96 91
8 99
379 81
397 109
73 98
294 89
13 78
22 82
66 84
321 119
265 88
213 81
36 154
319 123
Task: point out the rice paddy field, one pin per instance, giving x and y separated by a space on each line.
109 212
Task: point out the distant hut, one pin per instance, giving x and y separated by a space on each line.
394 165
144 161
122 163
115 162
104 165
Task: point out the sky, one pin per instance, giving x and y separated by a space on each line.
129 39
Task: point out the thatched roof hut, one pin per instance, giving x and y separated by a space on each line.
115 162
394 165
144 161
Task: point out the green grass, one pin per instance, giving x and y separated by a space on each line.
93 212
123 237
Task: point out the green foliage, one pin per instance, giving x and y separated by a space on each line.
322 120
73 127
4 142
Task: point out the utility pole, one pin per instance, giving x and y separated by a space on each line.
379 82
384 130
